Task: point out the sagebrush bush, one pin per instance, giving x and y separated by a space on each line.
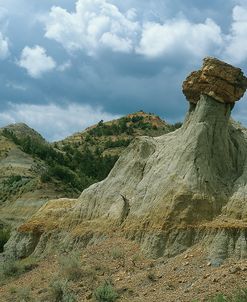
71 267
60 291
24 294
28 264
11 267
117 253
238 296
4 237
219 298
241 296
105 293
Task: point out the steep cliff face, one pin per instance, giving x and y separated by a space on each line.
167 193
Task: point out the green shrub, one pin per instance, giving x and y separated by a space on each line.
60 292
45 177
219 298
24 294
4 237
105 293
13 290
12 179
70 267
137 118
117 253
28 264
177 125
117 143
10 134
238 296
10 268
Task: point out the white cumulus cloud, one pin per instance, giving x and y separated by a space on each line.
94 24
99 24
236 47
174 36
36 61
53 121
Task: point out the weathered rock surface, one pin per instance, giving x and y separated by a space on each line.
217 79
167 193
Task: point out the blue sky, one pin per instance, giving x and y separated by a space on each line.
66 64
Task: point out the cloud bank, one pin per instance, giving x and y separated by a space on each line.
96 25
54 121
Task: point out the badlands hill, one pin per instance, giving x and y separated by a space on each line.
180 195
112 137
34 171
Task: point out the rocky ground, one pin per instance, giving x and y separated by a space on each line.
186 278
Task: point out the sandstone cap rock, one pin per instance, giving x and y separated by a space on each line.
219 80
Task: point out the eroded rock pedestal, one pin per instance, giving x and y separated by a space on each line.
167 193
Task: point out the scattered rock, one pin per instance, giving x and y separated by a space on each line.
234 270
42 291
216 262
89 296
170 287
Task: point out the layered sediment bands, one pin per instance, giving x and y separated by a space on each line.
176 178
167 193
217 79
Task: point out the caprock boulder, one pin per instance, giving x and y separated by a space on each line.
169 192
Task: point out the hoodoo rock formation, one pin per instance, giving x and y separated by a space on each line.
167 193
